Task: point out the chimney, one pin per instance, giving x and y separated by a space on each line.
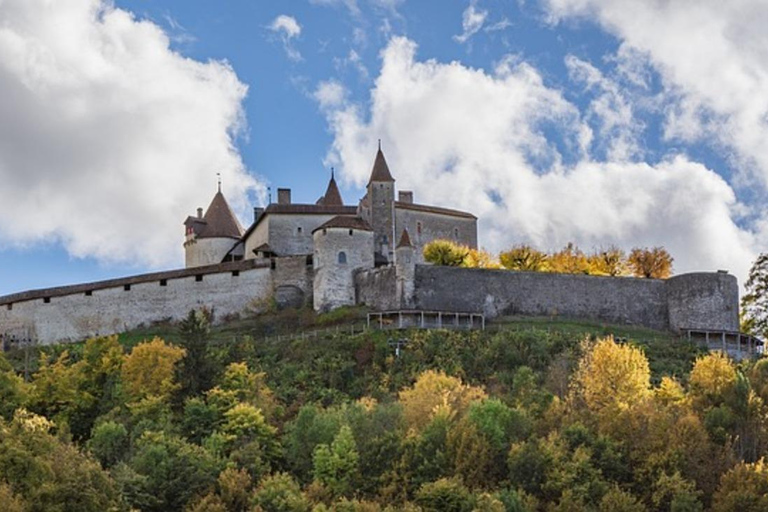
199 213
405 196
283 196
257 212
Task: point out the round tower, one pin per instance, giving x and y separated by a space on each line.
342 245
211 237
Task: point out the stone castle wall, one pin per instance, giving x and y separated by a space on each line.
424 227
377 288
702 300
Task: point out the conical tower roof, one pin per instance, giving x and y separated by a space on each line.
405 240
332 195
380 171
220 221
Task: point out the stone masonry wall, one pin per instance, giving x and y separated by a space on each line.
703 301
377 288
622 300
78 312
434 226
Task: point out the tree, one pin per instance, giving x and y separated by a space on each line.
655 263
432 392
196 369
744 489
477 258
280 493
335 466
445 252
149 370
13 390
608 262
616 500
712 379
754 304
525 258
109 443
569 260
445 495
611 376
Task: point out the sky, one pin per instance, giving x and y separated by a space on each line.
623 122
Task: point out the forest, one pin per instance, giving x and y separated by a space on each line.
528 416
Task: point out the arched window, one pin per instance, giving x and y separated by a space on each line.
342 258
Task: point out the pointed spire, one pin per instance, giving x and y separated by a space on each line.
380 172
220 221
405 240
332 195
218 175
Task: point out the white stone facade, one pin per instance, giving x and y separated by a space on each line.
339 254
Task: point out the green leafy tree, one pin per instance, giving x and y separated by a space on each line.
523 258
446 253
280 493
744 489
445 495
196 369
13 390
754 303
109 443
653 263
336 466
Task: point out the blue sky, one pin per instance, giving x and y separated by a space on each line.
605 123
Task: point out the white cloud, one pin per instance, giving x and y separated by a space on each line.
109 139
475 140
330 94
713 59
502 24
288 29
351 5
472 21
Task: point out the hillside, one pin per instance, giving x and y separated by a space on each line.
291 411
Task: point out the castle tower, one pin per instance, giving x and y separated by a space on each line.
405 271
211 236
378 209
332 196
343 245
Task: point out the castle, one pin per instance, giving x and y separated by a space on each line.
339 239
329 255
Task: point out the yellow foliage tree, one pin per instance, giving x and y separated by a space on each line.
435 391
611 376
523 258
446 253
477 258
569 260
608 262
712 377
743 488
653 263
149 370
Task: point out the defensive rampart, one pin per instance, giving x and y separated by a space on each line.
701 300
73 313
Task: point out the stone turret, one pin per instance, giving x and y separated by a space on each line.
343 245
405 271
210 237
378 209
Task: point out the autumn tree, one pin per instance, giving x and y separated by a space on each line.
754 304
445 253
524 258
149 370
608 262
478 258
433 391
744 489
611 376
569 260
13 390
653 263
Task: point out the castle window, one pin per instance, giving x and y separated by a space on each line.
418 228
127 288
163 282
199 278
88 293
10 307
235 273
47 300
350 232
342 258
456 233
298 230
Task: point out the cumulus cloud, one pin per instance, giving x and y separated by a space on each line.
482 141
330 94
109 139
712 58
287 28
472 21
